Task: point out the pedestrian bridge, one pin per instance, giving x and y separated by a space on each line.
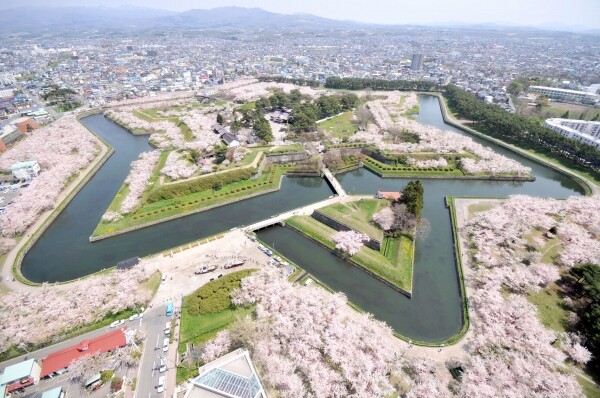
304 211
335 184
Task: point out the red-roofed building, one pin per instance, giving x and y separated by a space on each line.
387 195
63 358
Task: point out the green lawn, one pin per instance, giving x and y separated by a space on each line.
201 328
198 329
340 126
590 389
550 311
357 215
399 272
478 208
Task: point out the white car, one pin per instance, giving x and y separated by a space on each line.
163 365
161 384
117 323
166 344
134 317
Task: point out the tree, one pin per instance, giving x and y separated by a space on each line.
384 218
236 125
565 115
349 242
220 153
412 197
217 185
263 104
219 118
262 129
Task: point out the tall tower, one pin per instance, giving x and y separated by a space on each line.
417 62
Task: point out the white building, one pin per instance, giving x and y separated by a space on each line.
25 170
564 95
581 130
231 376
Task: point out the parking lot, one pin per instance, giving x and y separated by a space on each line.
8 194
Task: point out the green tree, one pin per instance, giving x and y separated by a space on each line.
263 104
219 118
412 197
262 129
586 288
565 115
220 153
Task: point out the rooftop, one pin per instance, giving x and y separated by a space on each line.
20 165
54 393
63 358
17 371
232 376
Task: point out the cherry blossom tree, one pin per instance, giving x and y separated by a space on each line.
308 342
177 167
349 241
384 218
50 311
137 180
216 347
73 148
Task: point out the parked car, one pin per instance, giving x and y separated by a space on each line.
161 384
134 317
163 365
117 323
166 344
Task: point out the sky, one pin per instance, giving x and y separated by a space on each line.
509 12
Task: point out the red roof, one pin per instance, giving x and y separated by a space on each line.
19 384
388 195
63 358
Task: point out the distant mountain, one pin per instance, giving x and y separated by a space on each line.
250 18
73 20
127 18
41 19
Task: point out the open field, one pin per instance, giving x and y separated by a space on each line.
339 126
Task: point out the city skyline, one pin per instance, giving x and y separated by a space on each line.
552 14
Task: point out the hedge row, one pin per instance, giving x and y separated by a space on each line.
214 296
200 184
384 167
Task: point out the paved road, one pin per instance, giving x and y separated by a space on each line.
154 325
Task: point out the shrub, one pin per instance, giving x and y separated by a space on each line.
200 184
106 375
214 296
116 384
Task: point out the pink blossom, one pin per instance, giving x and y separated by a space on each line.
384 218
349 241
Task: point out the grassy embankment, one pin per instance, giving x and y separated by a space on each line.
206 312
393 263
157 210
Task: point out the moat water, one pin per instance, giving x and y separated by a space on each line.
434 312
